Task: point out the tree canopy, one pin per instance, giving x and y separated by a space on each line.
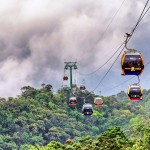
40 119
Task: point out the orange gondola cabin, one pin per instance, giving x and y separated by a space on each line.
135 92
132 63
98 102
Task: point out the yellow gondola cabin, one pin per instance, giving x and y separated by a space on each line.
98 102
132 63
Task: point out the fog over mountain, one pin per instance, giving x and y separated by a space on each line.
36 37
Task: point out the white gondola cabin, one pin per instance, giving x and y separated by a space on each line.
87 110
72 101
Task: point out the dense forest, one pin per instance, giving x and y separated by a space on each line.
42 119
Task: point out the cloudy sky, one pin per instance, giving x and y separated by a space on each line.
37 36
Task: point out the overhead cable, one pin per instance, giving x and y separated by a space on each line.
126 41
102 37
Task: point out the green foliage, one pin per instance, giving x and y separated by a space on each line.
40 119
113 139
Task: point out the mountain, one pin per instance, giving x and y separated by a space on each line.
41 118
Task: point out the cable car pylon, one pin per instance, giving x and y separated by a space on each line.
70 65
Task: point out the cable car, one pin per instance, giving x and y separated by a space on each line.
74 85
98 102
82 87
135 92
87 110
132 63
72 101
65 77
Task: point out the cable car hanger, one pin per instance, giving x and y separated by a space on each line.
127 39
137 82
138 79
128 36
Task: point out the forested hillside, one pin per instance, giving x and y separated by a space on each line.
41 119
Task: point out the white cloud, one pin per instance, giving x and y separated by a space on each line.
37 36
14 75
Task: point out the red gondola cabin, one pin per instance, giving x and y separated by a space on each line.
135 92
65 78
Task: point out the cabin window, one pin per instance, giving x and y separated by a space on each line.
133 61
135 92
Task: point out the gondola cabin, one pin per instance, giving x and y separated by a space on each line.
74 86
72 101
98 102
135 92
65 78
87 110
82 87
132 63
